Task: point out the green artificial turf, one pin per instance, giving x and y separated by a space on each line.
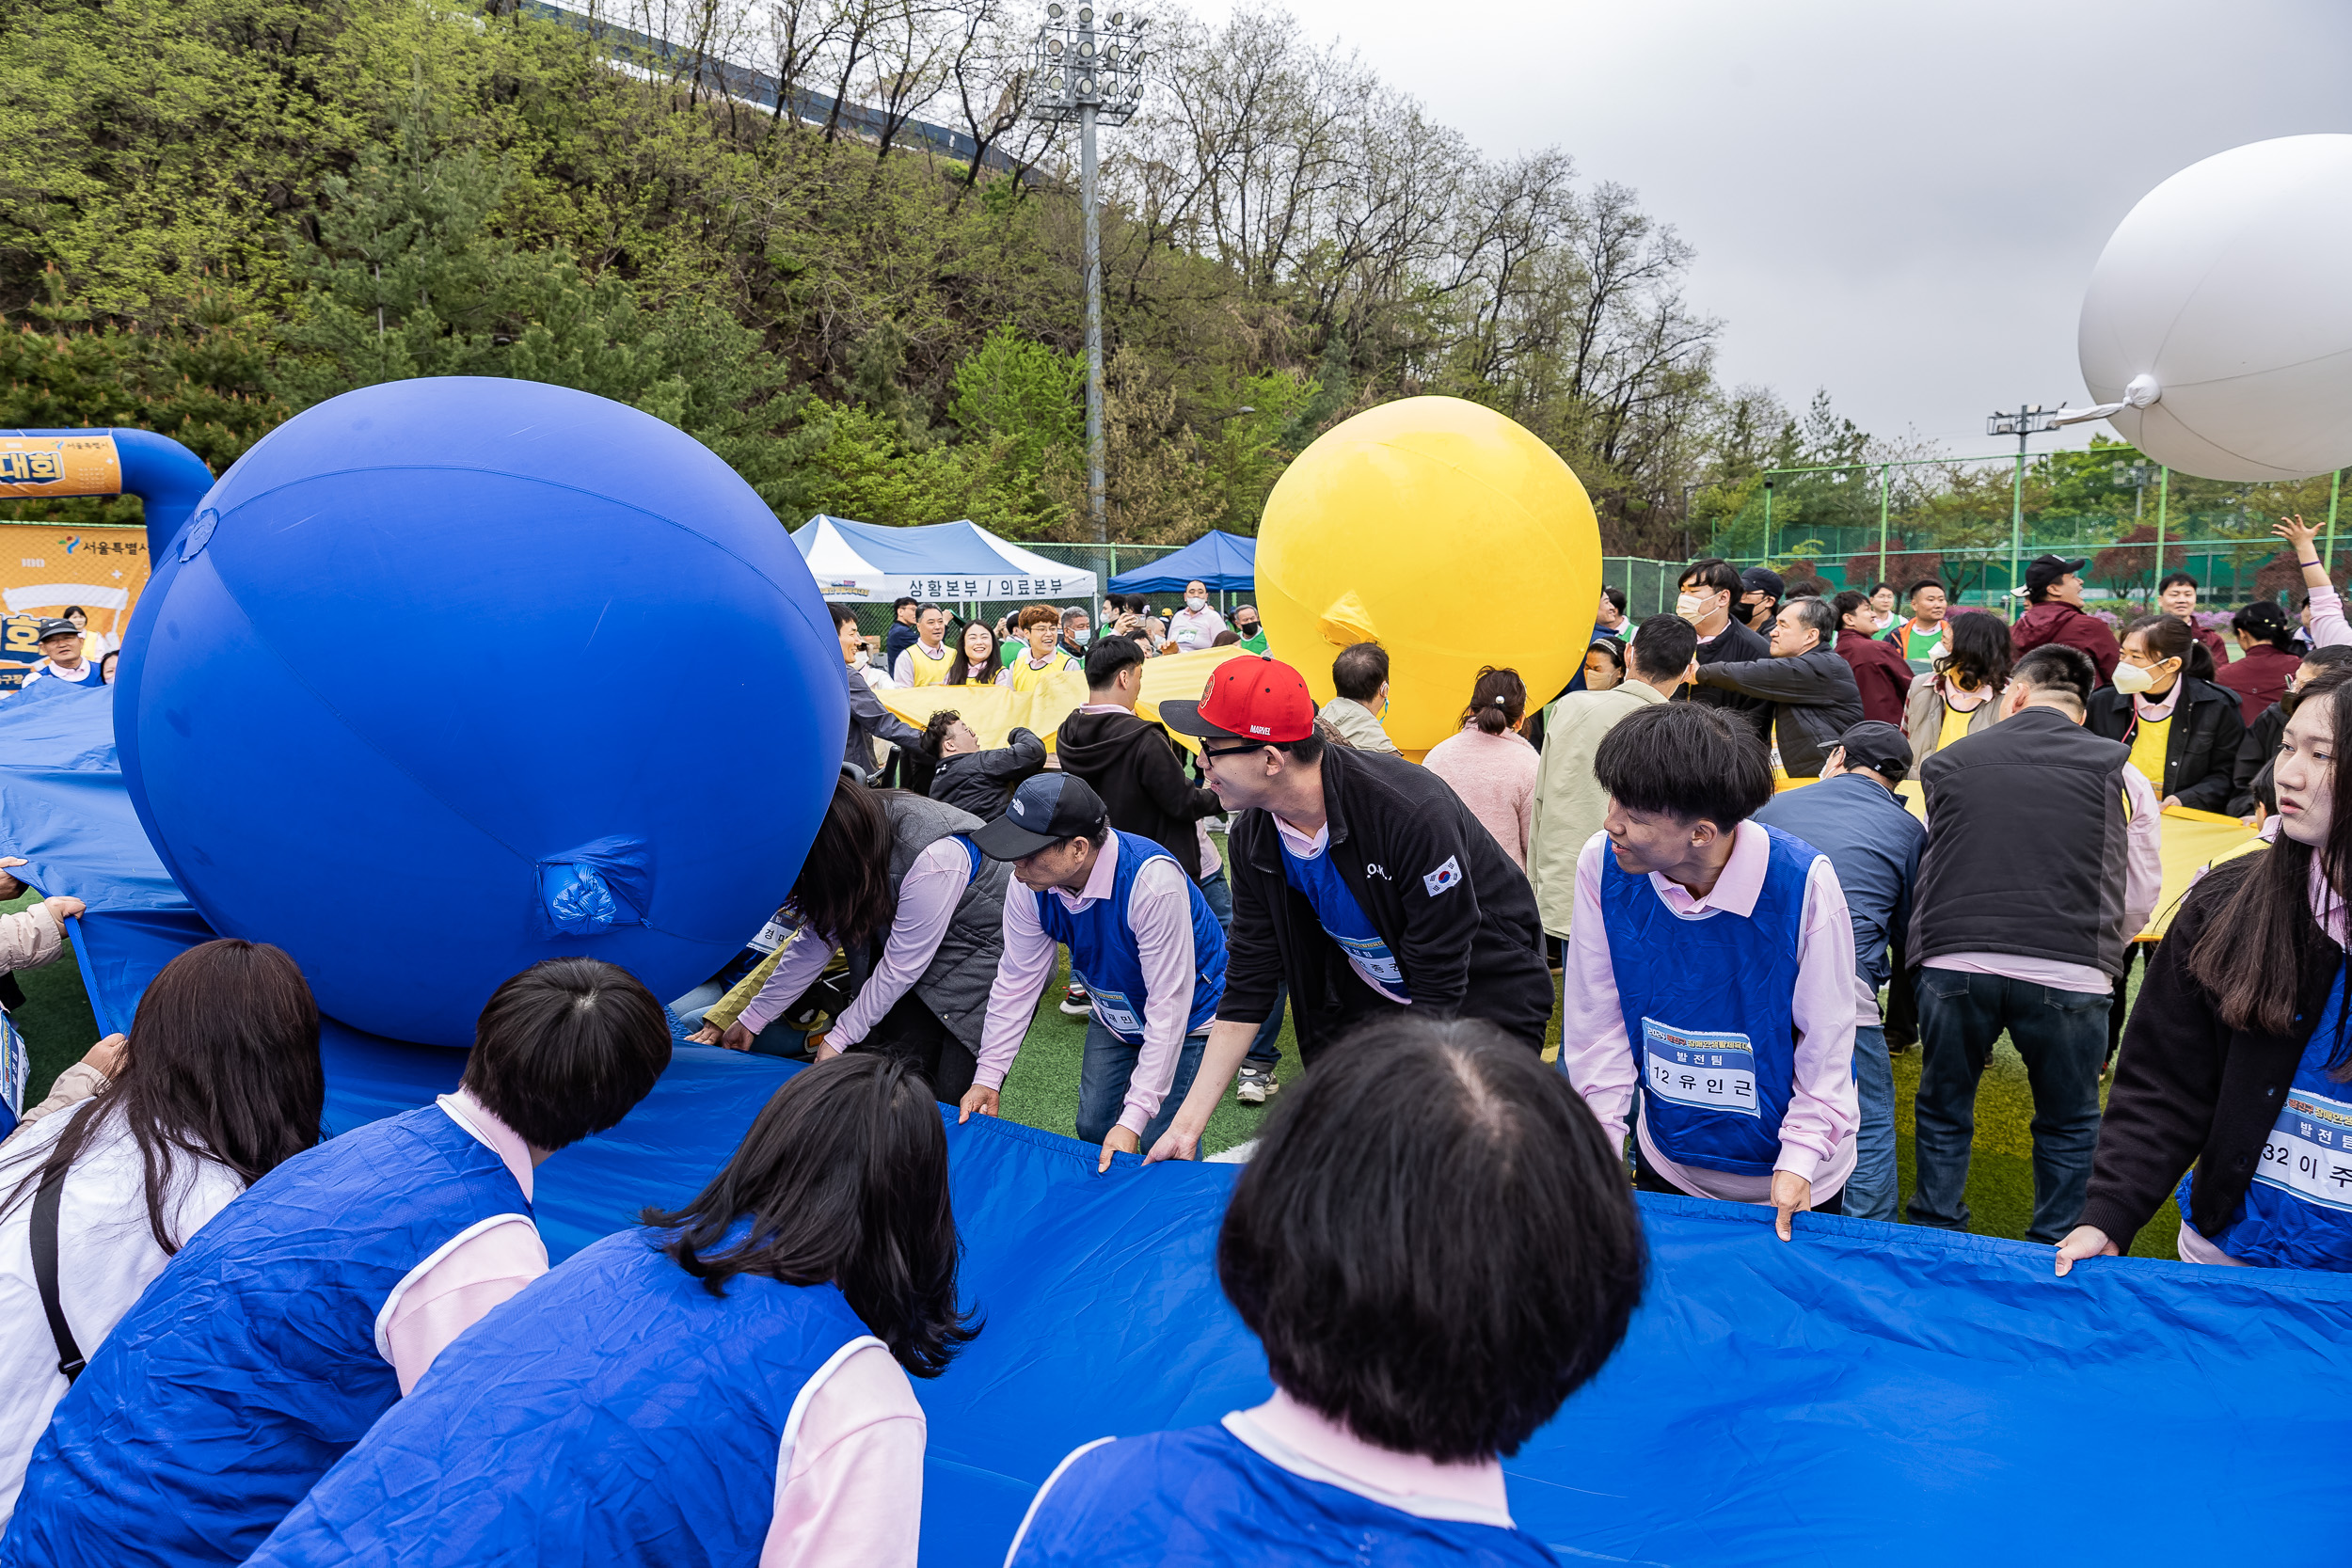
1042 1091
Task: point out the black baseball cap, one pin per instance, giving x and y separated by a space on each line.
2043 570
1761 579
1879 746
1050 806
48 629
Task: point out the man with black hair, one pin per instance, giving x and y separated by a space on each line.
1569 802
869 722
1130 761
1881 674
902 632
925 660
1361 674
2055 613
306 1308
975 778
1153 953
1611 620
2042 864
1708 595
1921 636
1853 816
1761 592
1711 974
1361 881
1811 691
2176 594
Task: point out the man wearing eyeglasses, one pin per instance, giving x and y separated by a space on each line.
1359 879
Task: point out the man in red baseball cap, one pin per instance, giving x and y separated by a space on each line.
1359 879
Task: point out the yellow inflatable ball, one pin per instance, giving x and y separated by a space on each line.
1447 533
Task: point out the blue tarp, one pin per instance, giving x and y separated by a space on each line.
1219 562
1867 1393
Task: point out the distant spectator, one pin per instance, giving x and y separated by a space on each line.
971 776
1882 600
1076 631
1963 694
95 644
61 658
1922 635
902 632
2054 595
1362 674
2177 594
1880 673
1490 766
1812 691
1760 592
1037 665
2252 782
1229 638
218 1083
1196 624
1811 588
927 659
1569 803
1611 616
975 661
2260 675
1604 664
871 724
1251 630
1709 598
106 666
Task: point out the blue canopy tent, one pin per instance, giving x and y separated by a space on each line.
1866 1392
1220 562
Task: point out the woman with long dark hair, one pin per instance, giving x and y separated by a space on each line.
726 1387
895 883
978 659
1962 695
1418 1326
1489 764
2238 1058
219 1084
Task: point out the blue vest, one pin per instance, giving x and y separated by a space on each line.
1342 917
1102 946
250 1364
1203 1497
1706 1011
2297 1214
615 1412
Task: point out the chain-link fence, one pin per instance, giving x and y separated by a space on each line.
1973 523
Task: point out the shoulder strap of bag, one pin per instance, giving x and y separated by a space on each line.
44 1239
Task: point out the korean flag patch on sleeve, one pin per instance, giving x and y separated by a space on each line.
1444 877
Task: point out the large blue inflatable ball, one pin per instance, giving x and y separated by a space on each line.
448 676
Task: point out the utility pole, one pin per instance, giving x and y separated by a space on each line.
2029 419
1089 73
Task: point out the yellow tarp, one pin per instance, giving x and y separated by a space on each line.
994 711
2191 841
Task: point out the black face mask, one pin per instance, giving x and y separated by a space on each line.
1246 628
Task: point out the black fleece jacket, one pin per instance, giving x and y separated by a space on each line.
1447 901
981 782
2201 744
2189 1088
1132 765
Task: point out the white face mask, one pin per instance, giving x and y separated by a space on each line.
2131 679
1196 603
1079 636
1691 606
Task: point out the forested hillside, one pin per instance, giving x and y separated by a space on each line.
215 213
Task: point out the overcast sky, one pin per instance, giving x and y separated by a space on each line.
1900 200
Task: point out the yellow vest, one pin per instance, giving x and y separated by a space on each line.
1955 725
1028 677
923 670
2148 746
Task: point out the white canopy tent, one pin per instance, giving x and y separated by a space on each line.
961 562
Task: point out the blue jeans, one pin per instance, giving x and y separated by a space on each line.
1871 1190
2062 1034
1264 1051
1102 1074
778 1039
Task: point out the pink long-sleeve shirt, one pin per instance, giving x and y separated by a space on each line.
1495 776
2328 628
1159 911
1817 1133
928 895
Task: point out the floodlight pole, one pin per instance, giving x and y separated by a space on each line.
1096 499
2029 418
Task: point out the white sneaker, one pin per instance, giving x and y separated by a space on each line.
1074 1003
1253 1085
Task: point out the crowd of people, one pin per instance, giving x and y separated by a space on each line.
1760 844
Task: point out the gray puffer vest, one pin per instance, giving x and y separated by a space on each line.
956 985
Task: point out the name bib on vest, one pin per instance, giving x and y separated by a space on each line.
2308 1151
1372 956
1114 1011
771 936
1710 1072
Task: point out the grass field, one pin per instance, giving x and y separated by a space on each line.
1043 1091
